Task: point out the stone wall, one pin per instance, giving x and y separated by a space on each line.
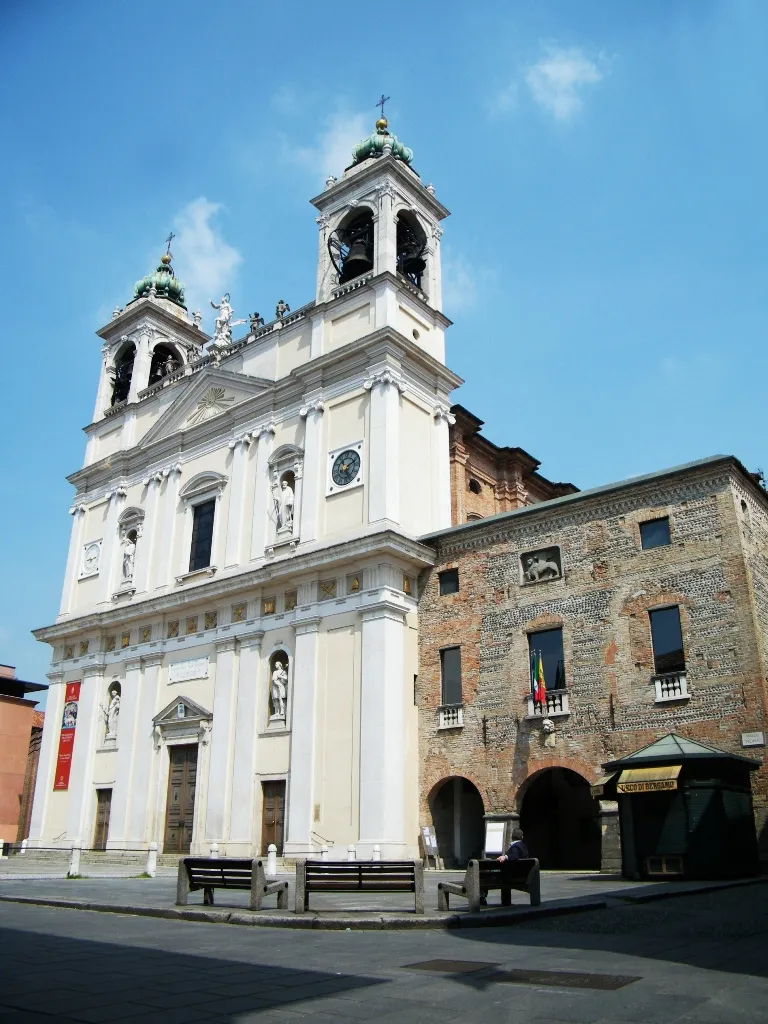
715 569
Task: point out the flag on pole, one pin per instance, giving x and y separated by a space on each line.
533 674
540 689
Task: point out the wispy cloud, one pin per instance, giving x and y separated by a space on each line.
206 263
555 82
463 283
331 150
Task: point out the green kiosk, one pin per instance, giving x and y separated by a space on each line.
685 811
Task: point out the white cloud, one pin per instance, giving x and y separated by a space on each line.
331 151
463 283
205 262
555 82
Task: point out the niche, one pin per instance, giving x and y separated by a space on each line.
278 687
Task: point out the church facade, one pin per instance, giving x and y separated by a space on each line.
235 656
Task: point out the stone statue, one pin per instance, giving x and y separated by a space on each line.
277 690
257 321
284 503
538 567
113 712
197 318
281 309
222 329
129 556
547 725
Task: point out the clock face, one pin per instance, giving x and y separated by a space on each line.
345 468
91 559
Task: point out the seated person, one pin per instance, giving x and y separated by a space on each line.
517 851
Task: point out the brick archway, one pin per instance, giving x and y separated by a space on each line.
559 818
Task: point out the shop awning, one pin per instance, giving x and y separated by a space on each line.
598 788
648 780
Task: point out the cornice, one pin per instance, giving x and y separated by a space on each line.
152 313
277 571
355 184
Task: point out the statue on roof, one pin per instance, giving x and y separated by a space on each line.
222 329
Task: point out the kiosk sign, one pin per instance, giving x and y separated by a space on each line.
67 737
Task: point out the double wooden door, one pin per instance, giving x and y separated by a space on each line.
180 808
103 807
273 816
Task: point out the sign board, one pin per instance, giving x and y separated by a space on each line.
651 786
429 839
190 668
494 837
753 739
67 736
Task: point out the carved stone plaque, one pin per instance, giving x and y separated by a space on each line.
190 668
542 565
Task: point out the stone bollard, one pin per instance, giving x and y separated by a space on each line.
271 861
152 860
214 851
323 852
74 862
377 852
351 852
23 846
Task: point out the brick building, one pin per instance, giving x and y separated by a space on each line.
646 602
20 730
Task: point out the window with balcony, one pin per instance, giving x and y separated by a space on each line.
449 582
202 535
547 646
654 533
450 713
668 655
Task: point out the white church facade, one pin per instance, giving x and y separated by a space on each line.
235 656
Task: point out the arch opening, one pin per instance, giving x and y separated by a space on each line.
122 375
411 248
458 818
559 818
164 361
351 246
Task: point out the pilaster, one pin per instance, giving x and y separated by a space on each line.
441 468
126 755
249 686
73 558
314 466
168 501
108 567
54 710
219 774
265 437
81 797
239 447
302 756
137 829
385 388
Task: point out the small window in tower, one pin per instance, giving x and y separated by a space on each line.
123 373
449 582
164 361
351 247
654 533
202 535
474 486
411 248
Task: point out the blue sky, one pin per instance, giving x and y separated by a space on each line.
605 263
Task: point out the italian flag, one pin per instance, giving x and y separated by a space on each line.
539 686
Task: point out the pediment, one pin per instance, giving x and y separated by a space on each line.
208 395
193 712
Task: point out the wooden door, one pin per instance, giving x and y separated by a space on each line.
273 816
103 806
180 808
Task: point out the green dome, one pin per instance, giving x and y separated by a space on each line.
376 143
166 284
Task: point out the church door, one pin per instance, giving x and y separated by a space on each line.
103 806
273 816
180 809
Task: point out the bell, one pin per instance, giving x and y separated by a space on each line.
414 267
357 262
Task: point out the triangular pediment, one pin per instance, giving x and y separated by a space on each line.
172 715
207 395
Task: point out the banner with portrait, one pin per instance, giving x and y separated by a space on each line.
67 737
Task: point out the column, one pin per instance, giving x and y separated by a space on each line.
224 698
148 539
610 837
49 750
142 751
383 476
441 469
302 758
246 728
126 755
110 546
82 800
382 731
167 516
104 390
141 364
73 558
261 495
314 467
239 448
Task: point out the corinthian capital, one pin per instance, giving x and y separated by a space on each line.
443 412
386 378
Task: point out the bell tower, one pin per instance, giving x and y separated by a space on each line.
380 227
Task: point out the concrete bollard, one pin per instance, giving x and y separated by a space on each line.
152 860
214 851
377 852
323 852
271 861
74 862
23 846
351 852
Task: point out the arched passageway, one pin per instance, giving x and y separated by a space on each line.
457 815
558 816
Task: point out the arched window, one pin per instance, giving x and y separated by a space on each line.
351 246
123 372
474 486
278 686
411 248
164 361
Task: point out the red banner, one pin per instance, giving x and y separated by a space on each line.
67 738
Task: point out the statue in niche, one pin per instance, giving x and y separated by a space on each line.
278 690
129 555
285 498
112 714
223 324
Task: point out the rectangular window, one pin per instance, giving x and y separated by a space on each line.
202 535
449 582
667 637
549 644
654 533
450 674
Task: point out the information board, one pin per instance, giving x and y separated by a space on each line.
429 839
494 837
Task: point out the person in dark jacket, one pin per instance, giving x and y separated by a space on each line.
517 848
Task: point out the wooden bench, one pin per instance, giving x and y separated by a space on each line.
362 876
484 875
228 873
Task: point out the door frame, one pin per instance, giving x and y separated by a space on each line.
258 839
181 738
259 805
101 787
164 823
